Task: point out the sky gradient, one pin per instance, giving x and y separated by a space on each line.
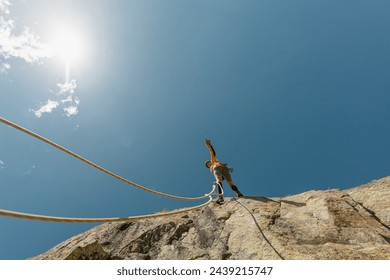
293 94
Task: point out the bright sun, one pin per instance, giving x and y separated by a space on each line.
68 45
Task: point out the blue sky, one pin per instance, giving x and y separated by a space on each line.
293 94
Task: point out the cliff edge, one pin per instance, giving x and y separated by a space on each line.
331 224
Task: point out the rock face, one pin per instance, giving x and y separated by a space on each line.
331 224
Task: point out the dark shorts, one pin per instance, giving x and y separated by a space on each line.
222 172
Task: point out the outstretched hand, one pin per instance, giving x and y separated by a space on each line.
208 142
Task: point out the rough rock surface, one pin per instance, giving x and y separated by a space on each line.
331 224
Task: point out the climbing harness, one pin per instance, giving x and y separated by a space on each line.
93 220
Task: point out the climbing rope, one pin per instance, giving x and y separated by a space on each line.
44 218
94 165
30 216
260 230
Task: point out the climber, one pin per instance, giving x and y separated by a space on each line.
221 172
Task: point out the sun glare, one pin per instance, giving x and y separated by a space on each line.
68 45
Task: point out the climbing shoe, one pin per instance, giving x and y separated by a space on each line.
219 200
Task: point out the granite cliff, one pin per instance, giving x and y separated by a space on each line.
330 224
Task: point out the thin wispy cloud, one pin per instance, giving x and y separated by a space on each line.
2 164
71 111
65 98
46 108
71 101
28 47
25 46
30 170
4 67
4 6
67 87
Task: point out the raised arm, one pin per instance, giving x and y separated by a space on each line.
211 150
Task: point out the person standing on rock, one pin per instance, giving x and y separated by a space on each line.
221 172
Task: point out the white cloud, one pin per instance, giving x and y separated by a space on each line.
2 164
67 87
28 47
25 46
67 98
4 67
71 111
4 6
30 170
47 108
